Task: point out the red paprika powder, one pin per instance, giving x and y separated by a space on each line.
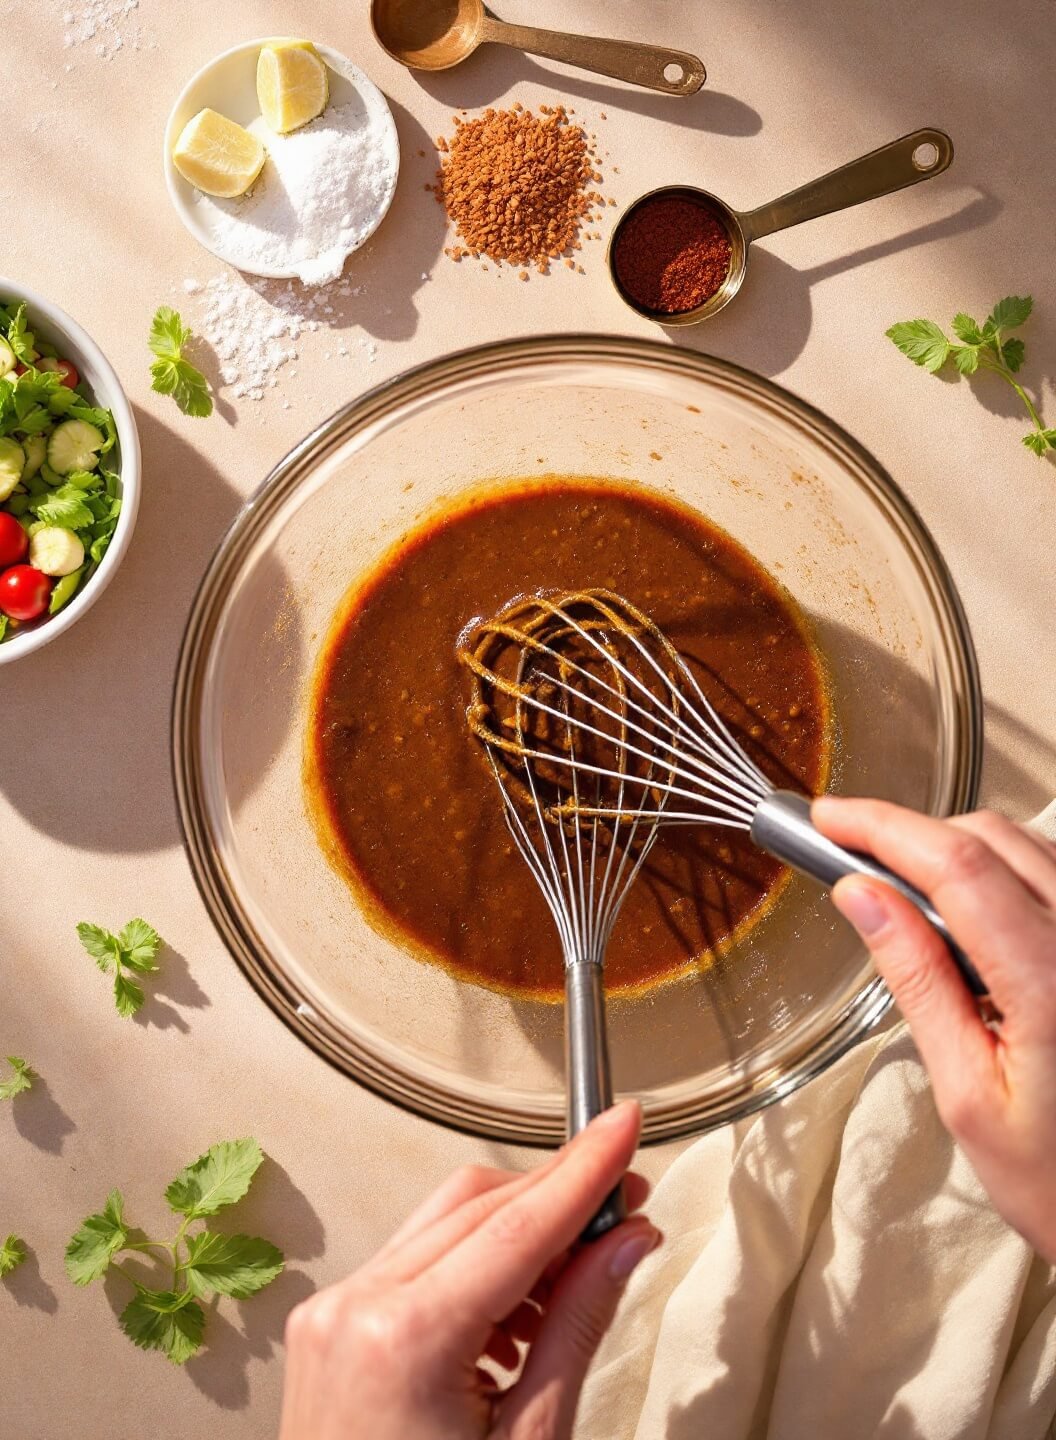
671 255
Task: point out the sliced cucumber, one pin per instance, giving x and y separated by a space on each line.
12 459
7 357
36 448
74 445
56 551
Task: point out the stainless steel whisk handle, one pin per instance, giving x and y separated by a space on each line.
783 828
587 1068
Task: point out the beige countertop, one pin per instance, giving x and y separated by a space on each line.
87 823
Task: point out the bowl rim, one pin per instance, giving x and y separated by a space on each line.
396 1083
177 186
129 475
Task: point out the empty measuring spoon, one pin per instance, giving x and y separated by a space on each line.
917 156
436 34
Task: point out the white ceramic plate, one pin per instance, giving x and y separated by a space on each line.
228 84
73 343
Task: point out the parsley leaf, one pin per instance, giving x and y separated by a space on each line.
12 1253
196 1265
1013 353
235 1265
128 996
170 373
164 1320
134 949
100 944
19 338
97 1241
922 341
65 507
966 329
982 348
139 944
20 1080
1010 313
218 1178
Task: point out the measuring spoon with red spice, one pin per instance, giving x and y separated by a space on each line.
679 255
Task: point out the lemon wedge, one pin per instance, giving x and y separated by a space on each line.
217 156
291 84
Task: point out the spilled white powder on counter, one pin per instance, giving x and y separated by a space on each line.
104 27
255 326
320 195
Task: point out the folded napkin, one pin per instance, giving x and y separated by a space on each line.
832 1270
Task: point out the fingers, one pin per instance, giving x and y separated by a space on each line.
954 1044
462 1185
990 911
486 1275
544 1400
1030 855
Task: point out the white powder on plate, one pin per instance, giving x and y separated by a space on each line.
322 192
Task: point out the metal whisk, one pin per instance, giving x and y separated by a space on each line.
597 695
575 828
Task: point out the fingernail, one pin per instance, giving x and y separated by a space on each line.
616 1114
633 1251
862 906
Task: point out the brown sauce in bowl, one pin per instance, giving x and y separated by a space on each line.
402 797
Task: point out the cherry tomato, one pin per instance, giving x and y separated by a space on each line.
14 542
65 368
24 592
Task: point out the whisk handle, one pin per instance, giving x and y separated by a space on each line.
587 1068
782 827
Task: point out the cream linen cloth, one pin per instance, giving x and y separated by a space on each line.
832 1270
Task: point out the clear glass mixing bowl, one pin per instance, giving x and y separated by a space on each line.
786 482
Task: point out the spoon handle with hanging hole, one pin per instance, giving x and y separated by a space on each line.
915 157
783 828
647 65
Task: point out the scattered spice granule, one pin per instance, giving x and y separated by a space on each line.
523 275
441 144
516 185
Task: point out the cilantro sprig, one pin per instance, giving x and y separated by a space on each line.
194 1265
12 1253
170 373
20 1079
134 949
981 347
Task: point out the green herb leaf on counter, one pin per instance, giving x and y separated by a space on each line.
194 1265
135 948
983 347
235 1265
171 373
12 1253
166 1321
98 1240
218 1178
20 1079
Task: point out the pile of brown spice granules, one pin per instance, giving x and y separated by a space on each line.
516 186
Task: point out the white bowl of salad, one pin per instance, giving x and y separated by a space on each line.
69 471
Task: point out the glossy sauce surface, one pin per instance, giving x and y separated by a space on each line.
403 801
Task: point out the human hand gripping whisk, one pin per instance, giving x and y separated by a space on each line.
590 715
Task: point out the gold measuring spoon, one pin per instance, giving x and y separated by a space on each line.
915 157
436 34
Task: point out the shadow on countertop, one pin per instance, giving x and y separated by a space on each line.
28 1288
